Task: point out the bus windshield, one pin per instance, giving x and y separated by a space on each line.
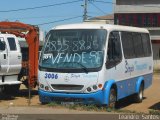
78 50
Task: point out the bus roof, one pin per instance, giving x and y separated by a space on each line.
101 26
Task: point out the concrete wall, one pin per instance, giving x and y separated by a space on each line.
143 6
154 33
156 55
137 6
137 2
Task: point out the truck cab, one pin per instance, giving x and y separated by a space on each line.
10 62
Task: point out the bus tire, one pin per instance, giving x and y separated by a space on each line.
112 98
139 95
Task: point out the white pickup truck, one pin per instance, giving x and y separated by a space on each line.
10 63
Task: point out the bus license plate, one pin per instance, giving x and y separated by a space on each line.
67 103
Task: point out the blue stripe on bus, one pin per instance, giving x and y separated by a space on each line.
124 87
46 97
131 86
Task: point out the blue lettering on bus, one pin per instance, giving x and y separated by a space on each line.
141 67
51 76
128 67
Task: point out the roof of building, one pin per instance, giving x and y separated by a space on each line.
106 17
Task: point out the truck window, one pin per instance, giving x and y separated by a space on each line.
114 55
2 44
12 44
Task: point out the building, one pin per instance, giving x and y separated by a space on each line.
141 13
108 19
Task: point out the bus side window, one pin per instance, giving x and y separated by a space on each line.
114 55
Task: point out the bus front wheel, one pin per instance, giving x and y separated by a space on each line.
112 99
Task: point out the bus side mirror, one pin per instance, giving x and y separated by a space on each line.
2 45
39 54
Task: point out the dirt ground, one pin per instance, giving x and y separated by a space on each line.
151 99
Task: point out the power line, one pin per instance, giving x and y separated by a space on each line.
37 17
98 8
59 20
38 7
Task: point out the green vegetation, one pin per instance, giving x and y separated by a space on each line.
53 104
98 108
90 108
155 71
154 112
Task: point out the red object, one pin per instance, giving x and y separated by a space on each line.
32 39
155 41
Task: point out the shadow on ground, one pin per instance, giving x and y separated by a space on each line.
21 93
156 106
126 102
25 94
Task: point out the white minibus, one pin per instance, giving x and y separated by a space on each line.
95 64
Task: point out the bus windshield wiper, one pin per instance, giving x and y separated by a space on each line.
83 67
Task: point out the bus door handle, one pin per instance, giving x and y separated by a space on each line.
19 56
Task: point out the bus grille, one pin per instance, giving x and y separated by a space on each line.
67 87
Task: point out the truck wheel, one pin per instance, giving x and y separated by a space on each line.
139 95
11 89
112 99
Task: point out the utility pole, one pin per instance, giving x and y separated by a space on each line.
85 10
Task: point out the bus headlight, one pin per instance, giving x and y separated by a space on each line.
89 89
94 87
46 88
41 86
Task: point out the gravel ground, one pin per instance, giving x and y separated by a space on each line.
151 100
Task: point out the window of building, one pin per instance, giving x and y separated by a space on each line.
131 20
147 21
116 19
155 20
139 20
123 20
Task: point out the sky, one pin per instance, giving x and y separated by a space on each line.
55 15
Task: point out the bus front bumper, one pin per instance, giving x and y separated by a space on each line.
85 98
